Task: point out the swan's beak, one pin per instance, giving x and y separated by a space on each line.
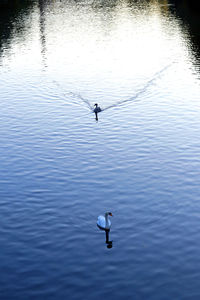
110 214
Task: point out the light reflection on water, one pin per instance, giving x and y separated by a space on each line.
61 169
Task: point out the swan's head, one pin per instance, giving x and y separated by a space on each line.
109 214
96 104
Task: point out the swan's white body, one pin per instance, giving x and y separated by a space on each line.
104 222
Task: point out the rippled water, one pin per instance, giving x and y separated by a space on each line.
60 168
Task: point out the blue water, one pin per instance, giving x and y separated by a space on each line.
60 168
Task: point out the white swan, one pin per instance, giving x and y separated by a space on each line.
104 222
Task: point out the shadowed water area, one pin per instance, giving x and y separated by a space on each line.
61 168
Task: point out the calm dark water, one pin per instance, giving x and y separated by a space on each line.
60 168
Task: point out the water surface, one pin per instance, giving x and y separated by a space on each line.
60 168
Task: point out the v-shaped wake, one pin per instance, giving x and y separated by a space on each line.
138 94
141 91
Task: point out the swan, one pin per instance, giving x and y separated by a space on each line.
97 108
104 222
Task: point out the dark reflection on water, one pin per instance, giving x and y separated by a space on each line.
42 8
189 13
107 240
10 11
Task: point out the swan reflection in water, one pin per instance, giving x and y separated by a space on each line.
104 223
96 110
109 243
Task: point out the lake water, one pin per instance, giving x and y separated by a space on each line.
61 169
